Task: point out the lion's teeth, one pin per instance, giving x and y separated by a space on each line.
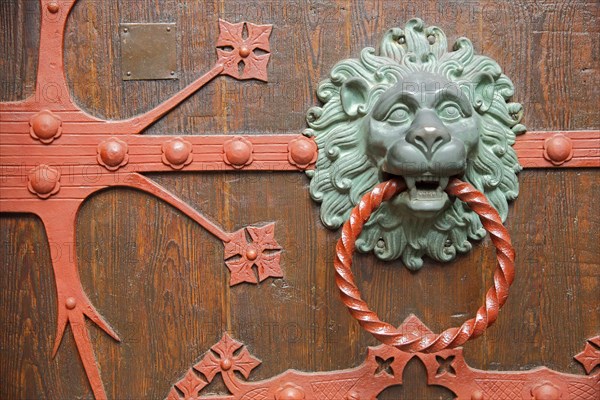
410 182
444 182
426 178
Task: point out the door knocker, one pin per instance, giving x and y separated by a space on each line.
415 110
431 132
429 342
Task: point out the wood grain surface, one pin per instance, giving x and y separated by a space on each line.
160 279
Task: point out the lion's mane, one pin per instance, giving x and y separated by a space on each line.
344 172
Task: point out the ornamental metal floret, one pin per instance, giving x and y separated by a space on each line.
226 357
262 251
241 54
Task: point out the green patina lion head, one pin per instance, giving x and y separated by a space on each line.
416 110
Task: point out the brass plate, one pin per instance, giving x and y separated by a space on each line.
148 51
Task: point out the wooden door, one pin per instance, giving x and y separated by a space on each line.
156 272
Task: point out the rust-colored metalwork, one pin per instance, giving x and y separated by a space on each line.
590 356
452 337
564 149
382 368
262 252
238 55
55 155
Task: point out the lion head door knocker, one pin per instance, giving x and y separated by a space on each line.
416 158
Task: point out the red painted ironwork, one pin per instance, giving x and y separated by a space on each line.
262 251
382 369
242 61
590 356
561 149
54 156
452 337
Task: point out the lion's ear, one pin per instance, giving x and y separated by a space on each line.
483 91
354 94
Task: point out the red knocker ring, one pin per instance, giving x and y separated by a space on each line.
452 337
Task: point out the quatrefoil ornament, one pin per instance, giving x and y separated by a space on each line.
240 53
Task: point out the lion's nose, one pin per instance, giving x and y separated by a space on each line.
427 132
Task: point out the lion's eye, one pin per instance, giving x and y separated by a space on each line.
399 115
449 113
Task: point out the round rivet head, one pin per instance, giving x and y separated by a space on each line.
251 254
237 152
289 391
546 391
477 395
177 153
45 126
302 152
431 38
53 7
244 51
43 181
558 149
226 364
112 154
70 303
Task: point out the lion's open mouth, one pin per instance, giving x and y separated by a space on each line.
426 192
426 186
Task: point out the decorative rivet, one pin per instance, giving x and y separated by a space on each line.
289 391
381 243
112 154
302 152
448 243
226 364
125 30
45 126
431 38
70 303
53 7
237 152
477 395
128 73
43 181
402 40
177 153
244 51
172 72
558 149
546 391
251 254
168 29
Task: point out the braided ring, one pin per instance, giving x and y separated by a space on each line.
452 337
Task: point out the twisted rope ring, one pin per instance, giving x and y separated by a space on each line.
452 337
